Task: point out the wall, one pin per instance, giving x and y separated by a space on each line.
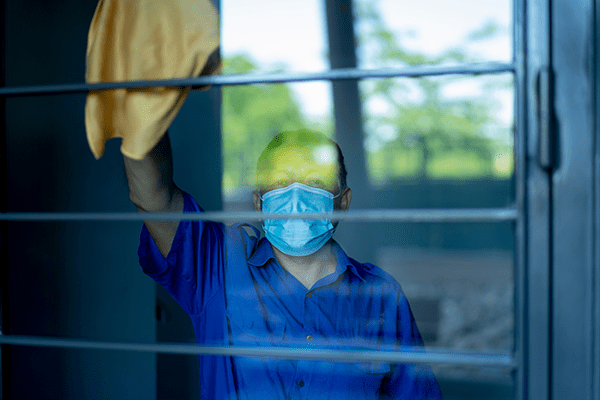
82 279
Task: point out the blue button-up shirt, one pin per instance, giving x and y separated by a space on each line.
235 292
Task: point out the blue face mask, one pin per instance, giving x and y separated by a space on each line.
298 237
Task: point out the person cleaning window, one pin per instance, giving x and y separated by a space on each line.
295 287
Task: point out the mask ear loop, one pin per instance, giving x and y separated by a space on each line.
341 189
335 197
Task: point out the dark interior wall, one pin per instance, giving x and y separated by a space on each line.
68 279
82 279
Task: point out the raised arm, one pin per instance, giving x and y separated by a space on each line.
151 189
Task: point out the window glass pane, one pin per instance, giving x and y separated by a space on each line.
401 32
432 142
458 279
442 142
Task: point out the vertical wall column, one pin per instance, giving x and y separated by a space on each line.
346 99
75 279
348 124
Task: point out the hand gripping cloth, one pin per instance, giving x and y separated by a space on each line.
145 40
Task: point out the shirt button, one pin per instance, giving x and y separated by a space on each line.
309 338
301 383
309 295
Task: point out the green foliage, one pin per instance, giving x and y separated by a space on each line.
418 132
415 132
490 29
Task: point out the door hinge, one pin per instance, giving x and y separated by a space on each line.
546 118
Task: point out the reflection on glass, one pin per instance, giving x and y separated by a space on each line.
430 142
446 142
396 33
438 128
461 298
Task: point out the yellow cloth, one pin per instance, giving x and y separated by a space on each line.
145 40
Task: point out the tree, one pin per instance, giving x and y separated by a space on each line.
431 137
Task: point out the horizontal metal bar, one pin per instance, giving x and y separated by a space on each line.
381 215
282 77
481 359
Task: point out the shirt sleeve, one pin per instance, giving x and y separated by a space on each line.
193 271
409 381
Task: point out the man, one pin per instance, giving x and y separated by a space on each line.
294 288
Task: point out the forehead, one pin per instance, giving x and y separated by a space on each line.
317 156
320 159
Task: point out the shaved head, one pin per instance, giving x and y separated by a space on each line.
308 154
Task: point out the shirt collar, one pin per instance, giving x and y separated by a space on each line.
264 253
